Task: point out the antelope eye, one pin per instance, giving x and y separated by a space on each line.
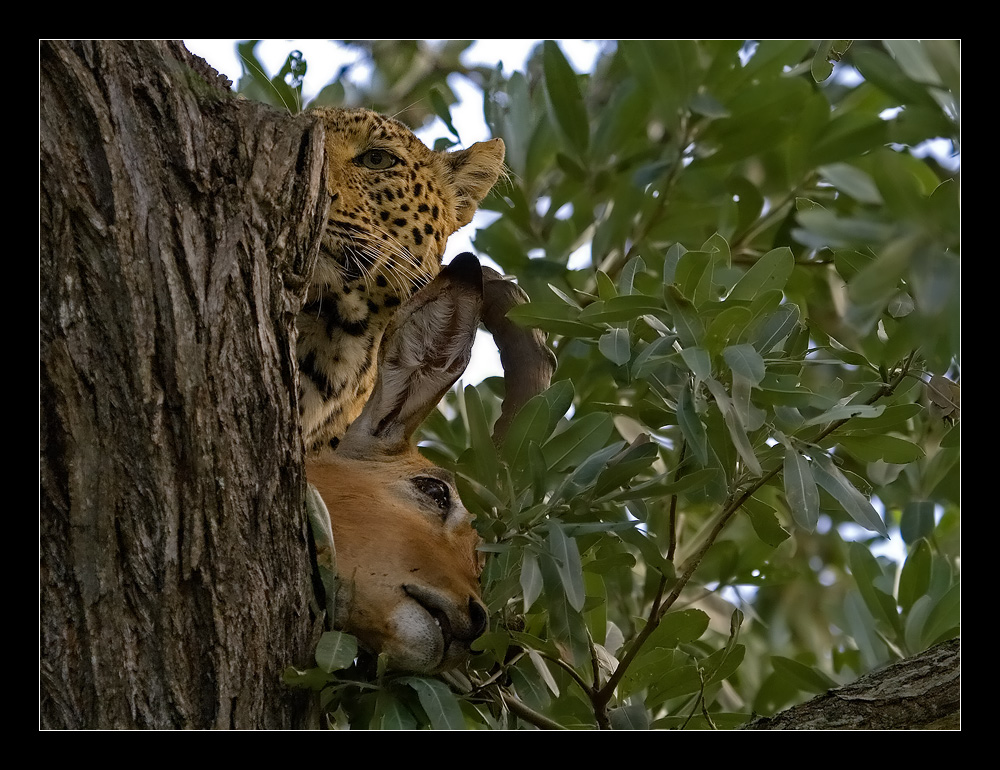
377 160
435 490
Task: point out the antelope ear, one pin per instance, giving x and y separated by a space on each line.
472 173
423 352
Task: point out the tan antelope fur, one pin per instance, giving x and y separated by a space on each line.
406 555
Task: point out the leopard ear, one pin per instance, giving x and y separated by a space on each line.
472 172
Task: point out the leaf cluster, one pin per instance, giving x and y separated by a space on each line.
748 267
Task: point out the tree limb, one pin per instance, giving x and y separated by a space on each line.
919 693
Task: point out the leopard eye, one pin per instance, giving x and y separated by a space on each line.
377 160
435 490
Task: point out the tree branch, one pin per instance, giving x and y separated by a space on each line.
919 693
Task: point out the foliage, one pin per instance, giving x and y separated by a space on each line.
407 79
749 270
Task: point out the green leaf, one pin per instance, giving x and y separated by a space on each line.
667 71
856 505
677 627
529 686
917 520
915 577
729 662
311 679
391 713
775 327
682 680
531 578
566 103
867 574
698 362
729 324
566 625
626 281
484 450
689 326
442 110
769 272
336 651
944 617
853 181
765 522
438 701
890 449
894 417
746 361
543 671
879 281
536 420
800 490
846 412
614 345
556 317
582 437
566 554
633 716
735 425
586 473
692 426
803 677
625 307
828 53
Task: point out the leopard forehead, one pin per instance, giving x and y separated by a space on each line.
404 212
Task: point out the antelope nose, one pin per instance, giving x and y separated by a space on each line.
479 618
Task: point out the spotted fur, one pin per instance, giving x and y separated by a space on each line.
393 204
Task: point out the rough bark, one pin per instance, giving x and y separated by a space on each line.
919 693
177 227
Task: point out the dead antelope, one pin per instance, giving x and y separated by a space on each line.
406 550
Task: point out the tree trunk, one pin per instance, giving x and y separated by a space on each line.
178 227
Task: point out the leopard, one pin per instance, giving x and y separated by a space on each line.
393 203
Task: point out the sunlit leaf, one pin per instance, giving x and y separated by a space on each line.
856 505
746 361
800 490
336 650
846 412
614 344
531 579
769 272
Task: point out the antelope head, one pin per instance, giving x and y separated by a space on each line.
405 546
405 549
